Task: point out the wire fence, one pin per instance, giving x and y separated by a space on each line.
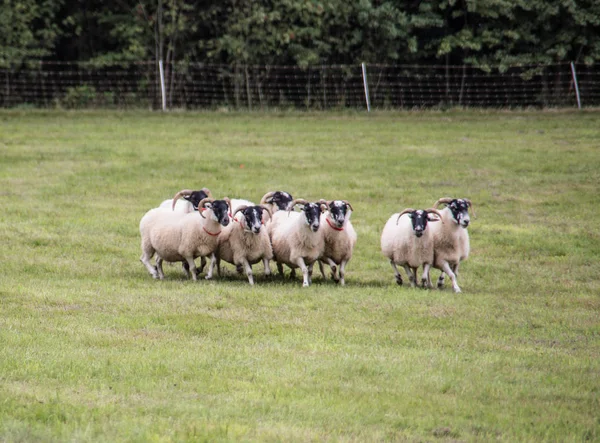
201 86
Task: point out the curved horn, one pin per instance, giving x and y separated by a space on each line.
297 201
266 208
441 201
267 196
207 192
436 212
348 203
470 205
406 211
179 195
203 202
226 200
239 208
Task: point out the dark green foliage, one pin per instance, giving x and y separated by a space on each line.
482 33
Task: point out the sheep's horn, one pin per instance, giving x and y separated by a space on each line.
406 211
348 203
470 205
266 197
441 201
180 194
436 212
239 208
298 201
207 191
266 208
203 202
226 200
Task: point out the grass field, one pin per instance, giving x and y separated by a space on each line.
93 349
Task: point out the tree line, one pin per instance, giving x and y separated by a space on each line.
478 33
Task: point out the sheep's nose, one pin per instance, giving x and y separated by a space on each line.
419 233
225 221
314 228
465 223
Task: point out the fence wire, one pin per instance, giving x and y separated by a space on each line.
201 86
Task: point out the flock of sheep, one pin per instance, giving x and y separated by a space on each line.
242 233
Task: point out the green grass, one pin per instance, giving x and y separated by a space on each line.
93 349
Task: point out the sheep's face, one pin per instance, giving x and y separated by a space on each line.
220 211
460 212
281 199
196 197
419 220
339 212
312 215
252 220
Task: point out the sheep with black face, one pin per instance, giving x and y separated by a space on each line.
190 200
177 237
246 241
296 238
407 242
451 239
339 237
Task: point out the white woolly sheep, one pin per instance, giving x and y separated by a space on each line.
339 237
451 239
296 238
407 242
182 237
245 241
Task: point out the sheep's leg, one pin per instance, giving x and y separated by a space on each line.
192 265
202 265
342 272
147 254
411 275
248 269
304 268
292 273
211 266
267 267
440 282
322 270
186 268
239 269
452 276
310 272
425 279
334 270
159 268
396 273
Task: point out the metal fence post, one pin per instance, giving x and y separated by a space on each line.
162 85
574 74
364 75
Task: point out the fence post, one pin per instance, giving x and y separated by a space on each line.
162 85
574 74
364 75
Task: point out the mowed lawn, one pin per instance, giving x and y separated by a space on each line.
93 349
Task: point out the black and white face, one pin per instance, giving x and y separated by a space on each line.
281 199
220 210
196 197
419 220
460 212
338 212
312 215
253 221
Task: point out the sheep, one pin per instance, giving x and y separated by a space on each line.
451 239
192 198
276 200
339 237
176 237
296 238
245 241
406 241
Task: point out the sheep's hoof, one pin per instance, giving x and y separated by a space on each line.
457 290
399 280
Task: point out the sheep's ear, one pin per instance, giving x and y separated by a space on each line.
410 215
